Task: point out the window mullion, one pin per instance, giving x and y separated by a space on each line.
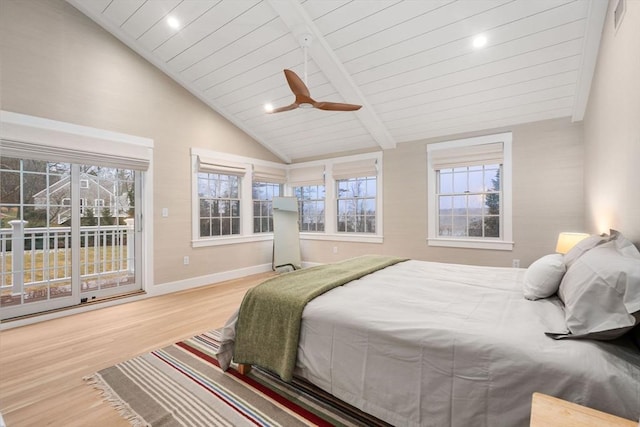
331 204
75 229
246 206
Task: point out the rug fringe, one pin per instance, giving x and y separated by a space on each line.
111 397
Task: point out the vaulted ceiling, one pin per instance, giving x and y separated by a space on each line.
410 64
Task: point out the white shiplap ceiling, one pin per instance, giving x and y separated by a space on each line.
410 64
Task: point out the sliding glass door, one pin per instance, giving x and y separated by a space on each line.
68 234
108 233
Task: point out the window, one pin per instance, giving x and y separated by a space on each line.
339 199
356 196
469 194
98 203
263 194
84 183
232 197
468 200
310 207
308 184
357 205
219 196
268 182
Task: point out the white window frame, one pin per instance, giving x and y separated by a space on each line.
505 242
331 203
230 200
302 201
354 199
262 201
246 198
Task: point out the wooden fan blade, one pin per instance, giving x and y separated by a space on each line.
287 108
296 84
336 106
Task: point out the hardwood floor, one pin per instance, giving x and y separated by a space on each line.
42 365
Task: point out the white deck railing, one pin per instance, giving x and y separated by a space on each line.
46 254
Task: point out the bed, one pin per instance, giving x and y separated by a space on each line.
420 343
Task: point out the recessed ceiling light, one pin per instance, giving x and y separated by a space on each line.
479 41
173 22
268 108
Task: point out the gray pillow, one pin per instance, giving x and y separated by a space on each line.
542 278
582 247
624 245
601 291
635 333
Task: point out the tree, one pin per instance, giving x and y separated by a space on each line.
105 216
89 218
131 198
492 200
22 179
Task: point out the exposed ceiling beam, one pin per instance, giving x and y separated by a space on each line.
294 16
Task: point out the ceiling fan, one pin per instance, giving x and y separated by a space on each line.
301 91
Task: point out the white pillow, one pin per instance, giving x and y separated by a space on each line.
543 277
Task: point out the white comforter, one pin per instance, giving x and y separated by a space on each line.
431 344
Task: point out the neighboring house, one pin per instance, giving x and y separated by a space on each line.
95 197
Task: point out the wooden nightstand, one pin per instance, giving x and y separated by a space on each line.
548 411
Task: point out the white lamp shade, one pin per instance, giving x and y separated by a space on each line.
566 241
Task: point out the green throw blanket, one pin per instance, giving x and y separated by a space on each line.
268 325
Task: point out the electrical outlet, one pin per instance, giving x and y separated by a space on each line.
335 249
185 260
515 263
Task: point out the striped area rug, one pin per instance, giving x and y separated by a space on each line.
183 385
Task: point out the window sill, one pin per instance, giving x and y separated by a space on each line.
230 240
347 237
497 245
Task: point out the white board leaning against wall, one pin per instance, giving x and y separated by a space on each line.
286 236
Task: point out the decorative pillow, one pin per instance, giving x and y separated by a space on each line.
542 278
601 291
582 247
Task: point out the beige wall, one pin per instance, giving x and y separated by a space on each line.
547 199
612 129
58 64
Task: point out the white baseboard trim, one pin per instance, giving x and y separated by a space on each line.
151 291
209 279
307 264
